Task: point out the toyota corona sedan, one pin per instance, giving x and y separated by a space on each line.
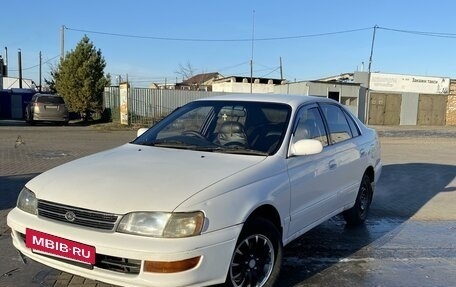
209 195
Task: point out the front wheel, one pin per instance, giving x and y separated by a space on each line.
358 213
257 257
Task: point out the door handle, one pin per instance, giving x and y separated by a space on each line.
363 152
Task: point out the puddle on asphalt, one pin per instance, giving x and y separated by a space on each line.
51 154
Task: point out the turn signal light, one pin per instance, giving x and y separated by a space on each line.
171 266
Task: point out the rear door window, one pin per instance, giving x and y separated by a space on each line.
354 128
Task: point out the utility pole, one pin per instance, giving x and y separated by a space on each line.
39 80
251 58
372 49
6 63
369 77
1 72
62 42
281 70
19 61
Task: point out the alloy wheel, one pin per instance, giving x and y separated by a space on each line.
253 261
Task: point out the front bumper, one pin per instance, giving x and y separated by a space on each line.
214 248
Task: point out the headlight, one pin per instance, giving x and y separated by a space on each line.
162 224
27 201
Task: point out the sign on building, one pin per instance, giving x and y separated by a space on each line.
409 84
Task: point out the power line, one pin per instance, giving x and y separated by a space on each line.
32 67
264 76
421 33
216 40
413 32
233 66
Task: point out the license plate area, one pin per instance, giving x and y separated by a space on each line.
52 245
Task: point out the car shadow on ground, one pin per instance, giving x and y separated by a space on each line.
401 192
10 188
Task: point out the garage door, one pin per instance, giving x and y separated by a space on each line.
385 109
432 110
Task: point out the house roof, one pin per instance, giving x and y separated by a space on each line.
201 78
345 77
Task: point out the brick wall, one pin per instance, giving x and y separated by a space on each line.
451 105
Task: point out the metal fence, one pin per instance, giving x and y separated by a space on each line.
147 106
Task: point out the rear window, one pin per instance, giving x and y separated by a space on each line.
50 100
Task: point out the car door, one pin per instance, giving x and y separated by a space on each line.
313 194
349 156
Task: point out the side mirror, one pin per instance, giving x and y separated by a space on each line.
306 147
141 131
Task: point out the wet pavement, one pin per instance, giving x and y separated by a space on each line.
384 252
409 238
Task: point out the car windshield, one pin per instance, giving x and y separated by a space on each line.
239 127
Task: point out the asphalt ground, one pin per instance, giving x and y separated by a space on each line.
408 240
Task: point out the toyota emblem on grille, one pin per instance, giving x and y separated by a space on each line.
70 216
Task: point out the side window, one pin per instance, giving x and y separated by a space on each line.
310 126
354 128
339 129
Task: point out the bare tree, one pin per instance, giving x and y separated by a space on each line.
186 71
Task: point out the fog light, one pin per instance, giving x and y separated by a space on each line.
171 266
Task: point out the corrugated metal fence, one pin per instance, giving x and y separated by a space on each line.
147 106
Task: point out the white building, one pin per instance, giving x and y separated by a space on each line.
396 99
236 84
13 83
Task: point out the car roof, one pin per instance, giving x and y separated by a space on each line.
292 100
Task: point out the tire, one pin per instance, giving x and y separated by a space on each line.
257 257
358 213
28 118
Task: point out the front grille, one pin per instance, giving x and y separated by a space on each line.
117 264
83 217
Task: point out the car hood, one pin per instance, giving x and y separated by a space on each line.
137 178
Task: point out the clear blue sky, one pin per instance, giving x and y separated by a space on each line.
34 26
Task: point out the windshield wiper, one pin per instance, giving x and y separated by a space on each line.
208 148
169 143
239 150
222 149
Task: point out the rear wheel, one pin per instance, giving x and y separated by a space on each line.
358 213
29 118
257 257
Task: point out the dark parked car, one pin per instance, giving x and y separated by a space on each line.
46 108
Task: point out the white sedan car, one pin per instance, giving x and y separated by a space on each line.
209 195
